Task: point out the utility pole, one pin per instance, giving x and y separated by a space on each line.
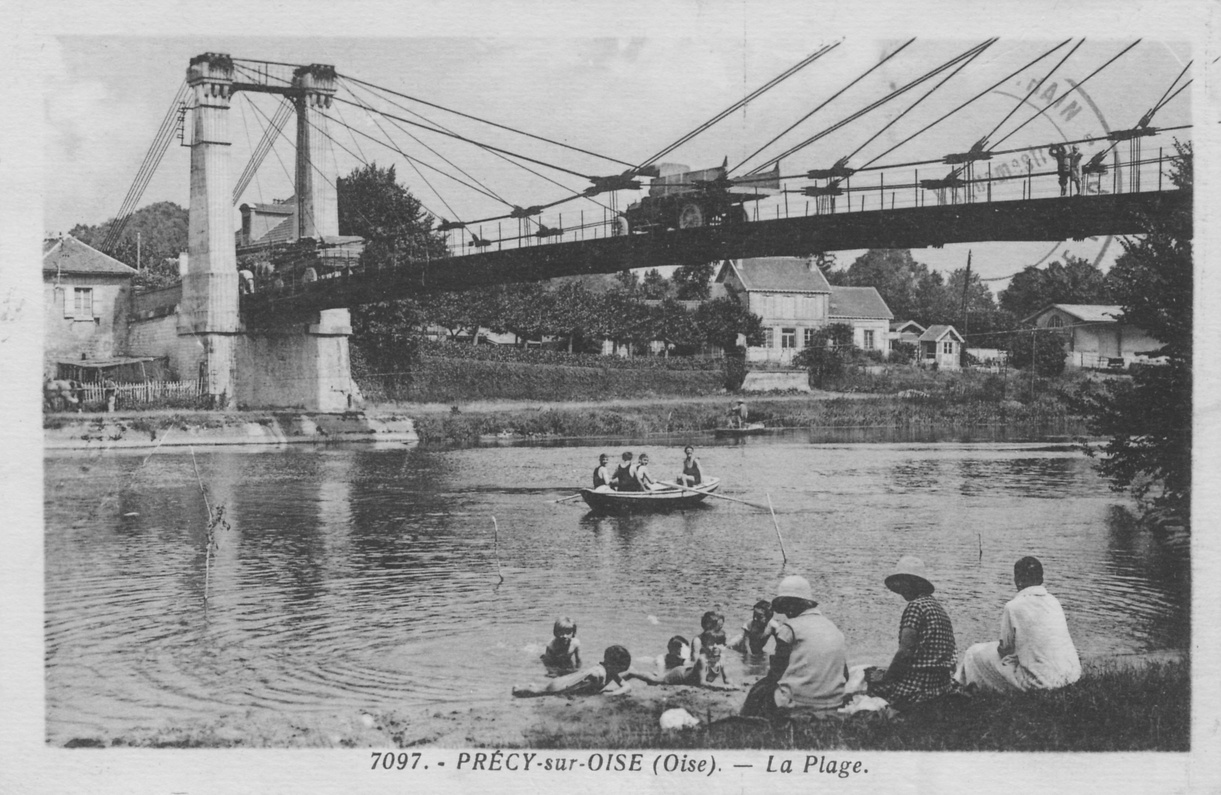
966 318
138 266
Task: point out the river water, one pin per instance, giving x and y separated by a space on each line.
358 578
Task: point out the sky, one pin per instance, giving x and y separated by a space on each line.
625 97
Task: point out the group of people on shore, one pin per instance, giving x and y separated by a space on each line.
809 670
633 475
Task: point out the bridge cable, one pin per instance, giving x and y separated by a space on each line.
485 121
470 141
1005 79
412 163
1158 105
740 103
237 194
790 128
1060 99
162 136
925 96
497 154
152 158
873 106
1031 92
266 144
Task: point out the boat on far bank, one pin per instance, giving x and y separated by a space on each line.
664 499
749 429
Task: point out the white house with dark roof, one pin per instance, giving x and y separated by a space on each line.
84 302
864 310
794 299
1094 337
941 348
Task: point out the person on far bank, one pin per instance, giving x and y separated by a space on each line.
111 392
691 474
737 414
602 474
810 665
1035 651
923 668
624 478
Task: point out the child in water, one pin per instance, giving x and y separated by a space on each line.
678 668
603 677
754 634
564 650
709 646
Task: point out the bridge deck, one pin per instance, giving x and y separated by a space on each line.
1061 218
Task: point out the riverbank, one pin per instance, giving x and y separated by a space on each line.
1135 704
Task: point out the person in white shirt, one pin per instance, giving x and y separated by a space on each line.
1035 651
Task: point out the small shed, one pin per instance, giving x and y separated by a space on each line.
133 370
941 348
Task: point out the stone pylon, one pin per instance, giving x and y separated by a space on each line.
317 205
208 320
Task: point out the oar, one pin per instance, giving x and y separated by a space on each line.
783 554
713 494
570 497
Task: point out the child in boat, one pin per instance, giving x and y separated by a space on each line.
625 475
606 676
691 474
709 646
754 634
643 480
564 650
602 474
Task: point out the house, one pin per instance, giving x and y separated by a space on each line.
905 331
864 310
941 348
1094 336
85 303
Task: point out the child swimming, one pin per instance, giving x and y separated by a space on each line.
678 668
564 650
754 634
603 677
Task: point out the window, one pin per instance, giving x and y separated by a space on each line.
82 303
868 340
769 337
788 338
1055 322
807 337
947 347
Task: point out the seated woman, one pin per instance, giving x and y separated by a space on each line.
923 667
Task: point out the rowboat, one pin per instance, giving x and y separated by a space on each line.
746 430
664 499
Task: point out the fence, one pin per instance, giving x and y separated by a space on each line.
182 394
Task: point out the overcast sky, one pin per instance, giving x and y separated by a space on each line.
622 96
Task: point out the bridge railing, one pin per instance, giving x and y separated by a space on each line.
1010 177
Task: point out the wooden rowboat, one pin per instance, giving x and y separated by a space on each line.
746 430
665 499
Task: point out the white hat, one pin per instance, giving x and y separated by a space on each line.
794 587
909 568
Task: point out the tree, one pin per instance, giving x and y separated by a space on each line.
693 282
893 272
574 313
1042 348
830 350
1148 421
672 324
722 320
654 286
158 231
1075 281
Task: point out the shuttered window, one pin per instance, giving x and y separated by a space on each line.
82 304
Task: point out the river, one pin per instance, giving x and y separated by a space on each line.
359 578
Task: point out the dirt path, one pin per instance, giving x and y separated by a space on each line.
491 406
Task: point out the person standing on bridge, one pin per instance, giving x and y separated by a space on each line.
1074 170
1062 167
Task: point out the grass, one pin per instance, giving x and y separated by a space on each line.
1145 708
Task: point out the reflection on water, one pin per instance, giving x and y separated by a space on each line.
358 578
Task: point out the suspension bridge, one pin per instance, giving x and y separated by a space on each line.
999 185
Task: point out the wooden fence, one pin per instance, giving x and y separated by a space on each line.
149 392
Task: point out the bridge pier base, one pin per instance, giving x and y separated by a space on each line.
303 365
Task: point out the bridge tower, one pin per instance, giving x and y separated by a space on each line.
297 363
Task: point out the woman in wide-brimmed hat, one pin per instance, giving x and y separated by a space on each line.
923 667
809 667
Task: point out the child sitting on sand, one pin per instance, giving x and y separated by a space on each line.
677 668
709 646
754 634
597 679
564 650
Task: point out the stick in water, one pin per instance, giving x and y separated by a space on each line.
981 545
496 543
776 524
